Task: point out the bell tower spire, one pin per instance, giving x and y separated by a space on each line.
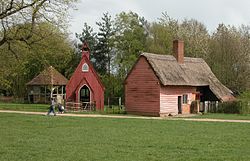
85 49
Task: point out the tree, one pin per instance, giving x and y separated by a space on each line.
54 49
229 56
192 32
103 55
87 35
161 35
196 38
25 15
244 61
130 39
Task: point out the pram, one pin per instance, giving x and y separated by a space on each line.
60 108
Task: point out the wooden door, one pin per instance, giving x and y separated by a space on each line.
85 94
179 105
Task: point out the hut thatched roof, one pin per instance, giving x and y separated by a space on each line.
49 76
193 72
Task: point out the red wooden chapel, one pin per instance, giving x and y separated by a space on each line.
85 85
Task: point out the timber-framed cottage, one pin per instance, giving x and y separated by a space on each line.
160 85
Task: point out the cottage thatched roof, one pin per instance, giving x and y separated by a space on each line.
49 76
193 72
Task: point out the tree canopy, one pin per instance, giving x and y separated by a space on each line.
115 45
25 15
16 70
226 49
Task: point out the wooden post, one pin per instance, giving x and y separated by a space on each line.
39 94
45 94
198 106
62 92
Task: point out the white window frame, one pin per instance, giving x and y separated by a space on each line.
85 67
186 101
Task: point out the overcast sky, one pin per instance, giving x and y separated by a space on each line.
209 12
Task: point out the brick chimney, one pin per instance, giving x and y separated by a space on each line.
178 50
85 50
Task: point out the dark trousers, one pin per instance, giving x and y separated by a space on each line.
52 109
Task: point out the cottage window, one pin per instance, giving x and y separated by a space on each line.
85 67
185 99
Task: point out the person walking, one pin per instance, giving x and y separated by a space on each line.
52 107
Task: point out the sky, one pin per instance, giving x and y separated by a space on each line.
209 12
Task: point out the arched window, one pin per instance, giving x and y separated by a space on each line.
85 67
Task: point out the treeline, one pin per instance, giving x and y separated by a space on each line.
119 41
21 62
32 37
116 45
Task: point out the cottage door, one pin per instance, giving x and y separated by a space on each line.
85 94
179 105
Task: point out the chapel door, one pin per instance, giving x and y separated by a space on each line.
85 94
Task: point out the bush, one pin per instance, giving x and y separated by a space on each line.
245 95
236 107
114 110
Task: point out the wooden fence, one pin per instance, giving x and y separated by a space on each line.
81 106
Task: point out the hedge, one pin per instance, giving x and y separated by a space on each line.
236 107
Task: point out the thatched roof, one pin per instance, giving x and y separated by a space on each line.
193 72
49 76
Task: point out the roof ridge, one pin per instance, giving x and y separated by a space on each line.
49 76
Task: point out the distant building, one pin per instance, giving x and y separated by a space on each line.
85 85
161 85
40 87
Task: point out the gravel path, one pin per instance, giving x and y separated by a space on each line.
126 116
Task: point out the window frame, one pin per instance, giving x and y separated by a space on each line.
185 99
85 67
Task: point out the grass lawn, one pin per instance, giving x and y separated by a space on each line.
24 107
45 107
114 110
224 116
41 138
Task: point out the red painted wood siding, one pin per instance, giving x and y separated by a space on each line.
142 90
80 78
169 99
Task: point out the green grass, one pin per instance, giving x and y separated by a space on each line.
113 110
41 138
224 116
24 107
45 107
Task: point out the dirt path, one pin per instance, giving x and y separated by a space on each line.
126 116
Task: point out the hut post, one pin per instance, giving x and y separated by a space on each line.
51 91
39 94
45 95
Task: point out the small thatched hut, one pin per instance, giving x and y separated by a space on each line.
168 85
49 83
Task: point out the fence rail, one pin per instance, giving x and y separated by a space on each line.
81 106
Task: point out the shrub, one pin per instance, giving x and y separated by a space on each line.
236 107
114 110
245 95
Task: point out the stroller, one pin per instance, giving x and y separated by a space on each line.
60 108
